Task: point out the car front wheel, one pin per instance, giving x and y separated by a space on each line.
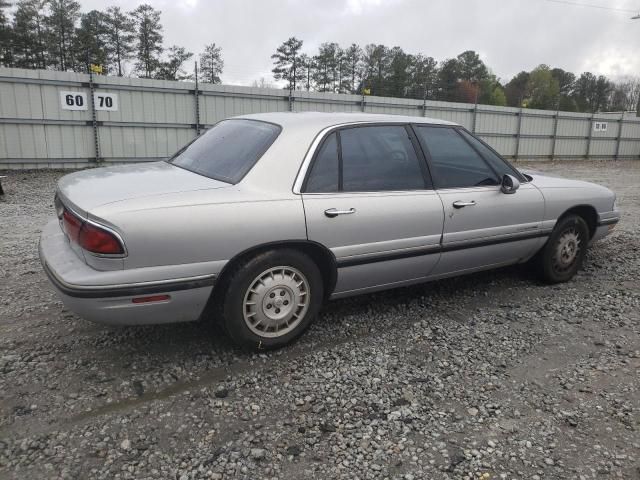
564 252
272 298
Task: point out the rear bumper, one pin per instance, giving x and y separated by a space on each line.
102 297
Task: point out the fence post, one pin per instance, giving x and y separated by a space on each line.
590 136
555 133
94 120
424 101
620 126
290 99
518 134
475 117
196 94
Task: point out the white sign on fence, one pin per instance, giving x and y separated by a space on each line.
73 100
600 126
78 101
106 101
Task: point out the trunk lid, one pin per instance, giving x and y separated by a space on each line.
91 188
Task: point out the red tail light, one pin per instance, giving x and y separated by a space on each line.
72 225
91 237
97 240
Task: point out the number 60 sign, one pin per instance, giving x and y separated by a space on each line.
78 101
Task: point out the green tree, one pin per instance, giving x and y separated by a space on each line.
448 76
516 89
91 40
471 68
326 67
544 90
592 93
211 63
30 35
171 69
353 66
148 40
61 22
498 97
398 78
376 64
120 37
423 77
304 72
286 61
6 36
566 81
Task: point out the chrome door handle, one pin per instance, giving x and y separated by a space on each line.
332 212
460 204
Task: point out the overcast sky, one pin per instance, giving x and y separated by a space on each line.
510 35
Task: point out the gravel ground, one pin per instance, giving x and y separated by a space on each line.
488 376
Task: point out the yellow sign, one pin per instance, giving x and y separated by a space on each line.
366 91
95 68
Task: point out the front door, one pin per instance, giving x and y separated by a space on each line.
369 199
483 227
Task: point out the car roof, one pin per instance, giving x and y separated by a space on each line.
321 120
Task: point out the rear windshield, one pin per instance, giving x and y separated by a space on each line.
228 150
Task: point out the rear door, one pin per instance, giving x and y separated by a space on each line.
368 198
482 226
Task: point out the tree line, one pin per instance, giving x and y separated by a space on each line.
55 34
391 72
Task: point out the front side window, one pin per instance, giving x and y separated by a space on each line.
497 163
379 158
228 150
453 162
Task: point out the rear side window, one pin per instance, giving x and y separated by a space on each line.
228 150
379 158
497 163
454 163
324 175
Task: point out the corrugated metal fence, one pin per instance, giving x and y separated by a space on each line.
48 119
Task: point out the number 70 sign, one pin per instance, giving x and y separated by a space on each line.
78 101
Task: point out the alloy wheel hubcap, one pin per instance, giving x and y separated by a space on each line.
276 301
567 250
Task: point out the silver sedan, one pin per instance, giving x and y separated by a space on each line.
264 217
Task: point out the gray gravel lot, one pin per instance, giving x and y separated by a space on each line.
488 376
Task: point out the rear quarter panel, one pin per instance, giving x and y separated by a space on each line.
204 227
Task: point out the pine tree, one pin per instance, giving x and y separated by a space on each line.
171 69
211 63
120 37
423 77
30 35
6 36
61 22
286 61
353 59
91 40
148 40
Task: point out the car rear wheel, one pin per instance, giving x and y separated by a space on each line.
272 298
564 252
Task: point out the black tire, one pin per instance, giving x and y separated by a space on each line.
558 262
298 267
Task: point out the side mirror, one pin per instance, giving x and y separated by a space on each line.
509 184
